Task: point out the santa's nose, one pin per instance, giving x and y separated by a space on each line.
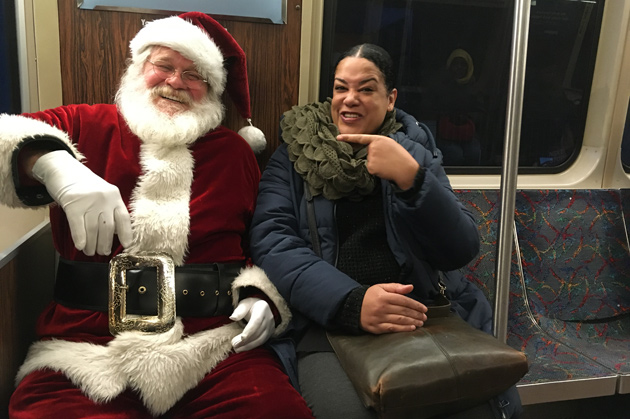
175 80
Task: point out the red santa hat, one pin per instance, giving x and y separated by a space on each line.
216 54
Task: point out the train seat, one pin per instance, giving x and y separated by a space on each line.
568 288
576 265
569 307
27 278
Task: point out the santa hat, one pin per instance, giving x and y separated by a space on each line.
216 54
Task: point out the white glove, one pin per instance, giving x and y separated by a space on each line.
260 324
94 208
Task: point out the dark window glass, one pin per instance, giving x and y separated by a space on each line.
452 63
9 78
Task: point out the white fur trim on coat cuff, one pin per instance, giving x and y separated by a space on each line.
14 129
256 277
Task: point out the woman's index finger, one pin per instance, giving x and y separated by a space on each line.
357 138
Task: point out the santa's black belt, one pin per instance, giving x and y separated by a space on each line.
202 290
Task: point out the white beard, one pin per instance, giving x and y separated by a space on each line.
159 205
152 126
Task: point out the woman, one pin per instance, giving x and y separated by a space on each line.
386 216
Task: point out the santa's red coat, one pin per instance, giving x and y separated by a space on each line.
222 198
223 190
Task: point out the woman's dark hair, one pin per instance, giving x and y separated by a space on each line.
376 55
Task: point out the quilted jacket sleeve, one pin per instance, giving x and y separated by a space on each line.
280 246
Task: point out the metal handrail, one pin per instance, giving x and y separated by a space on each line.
509 173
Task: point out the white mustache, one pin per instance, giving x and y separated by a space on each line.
173 94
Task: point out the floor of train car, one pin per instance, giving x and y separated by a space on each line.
611 407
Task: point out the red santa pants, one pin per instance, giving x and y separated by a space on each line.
250 384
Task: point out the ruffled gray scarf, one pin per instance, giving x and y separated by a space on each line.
330 168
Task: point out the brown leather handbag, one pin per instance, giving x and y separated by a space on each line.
446 366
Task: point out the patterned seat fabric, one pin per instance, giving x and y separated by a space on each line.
576 266
575 261
575 253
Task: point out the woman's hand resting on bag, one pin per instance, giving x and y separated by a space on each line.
387 309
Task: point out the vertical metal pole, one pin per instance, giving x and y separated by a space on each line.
509 172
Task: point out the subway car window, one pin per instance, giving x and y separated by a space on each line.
452 63
9 78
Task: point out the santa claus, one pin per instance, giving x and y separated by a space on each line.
175 326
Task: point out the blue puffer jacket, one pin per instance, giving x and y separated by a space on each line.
428 232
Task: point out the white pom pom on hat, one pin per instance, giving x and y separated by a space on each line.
216 54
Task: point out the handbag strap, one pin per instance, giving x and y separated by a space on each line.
312 224
441 306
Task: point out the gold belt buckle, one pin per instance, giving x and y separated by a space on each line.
119 321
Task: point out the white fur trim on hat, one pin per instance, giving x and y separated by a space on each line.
254 137
187 39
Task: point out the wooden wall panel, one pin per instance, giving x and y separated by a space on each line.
94 48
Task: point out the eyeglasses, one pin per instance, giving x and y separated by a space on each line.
166 71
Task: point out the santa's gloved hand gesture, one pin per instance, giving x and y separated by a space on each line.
94 208
260 323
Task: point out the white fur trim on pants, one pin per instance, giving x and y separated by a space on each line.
160 367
